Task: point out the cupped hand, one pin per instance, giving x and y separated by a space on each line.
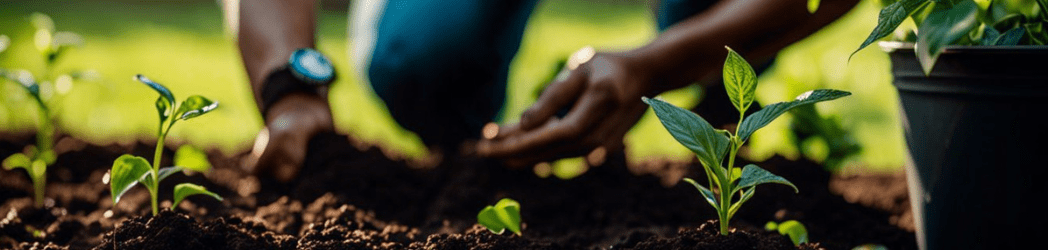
604 97
280 148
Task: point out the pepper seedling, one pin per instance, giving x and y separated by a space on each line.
129 170
791 228
52 45
712 145
503 215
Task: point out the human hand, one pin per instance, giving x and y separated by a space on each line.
280 148
604 95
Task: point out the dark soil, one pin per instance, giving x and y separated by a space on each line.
355 197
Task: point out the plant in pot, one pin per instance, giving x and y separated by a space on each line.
970 80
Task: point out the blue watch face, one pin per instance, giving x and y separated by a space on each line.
311 66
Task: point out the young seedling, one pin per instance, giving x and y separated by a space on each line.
503 215
52 46
712 145
129 170
791 228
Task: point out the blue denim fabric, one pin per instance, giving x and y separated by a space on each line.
441 65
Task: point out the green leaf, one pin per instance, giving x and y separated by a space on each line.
126 172
164 94
508 211
989 35
813 5
761 118
23 78
1011 37
1044 9
795 230
168 171
163 109
1009 20
503 215
195 106
889 19
752 175
26 80
186 189
746 195
771 225
943 27
490 220
48 156
17 160
706 193
191 158
740 80
147 180
693 132
983 4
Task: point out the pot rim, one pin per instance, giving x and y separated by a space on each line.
892 46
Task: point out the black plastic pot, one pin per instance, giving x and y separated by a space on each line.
975 127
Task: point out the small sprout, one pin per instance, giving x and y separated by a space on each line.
37 170
712 145
38 157
129 170
791 228
503 215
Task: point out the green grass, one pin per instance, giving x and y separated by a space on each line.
184 46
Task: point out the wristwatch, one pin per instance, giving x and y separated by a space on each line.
306 71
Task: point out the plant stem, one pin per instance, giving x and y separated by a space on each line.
157 156
156 169
44 140
726 186
39 182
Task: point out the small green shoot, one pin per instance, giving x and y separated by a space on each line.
503 215
712 145
129 170
45 92
791 228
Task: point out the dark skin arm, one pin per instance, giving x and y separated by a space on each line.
605 92
269 31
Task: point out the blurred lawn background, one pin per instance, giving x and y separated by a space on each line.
184 45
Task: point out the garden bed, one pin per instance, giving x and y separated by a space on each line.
352 198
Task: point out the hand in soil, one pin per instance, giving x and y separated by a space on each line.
280 148
603 96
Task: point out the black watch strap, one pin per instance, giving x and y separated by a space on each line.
280 83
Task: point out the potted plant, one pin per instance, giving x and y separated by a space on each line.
971 78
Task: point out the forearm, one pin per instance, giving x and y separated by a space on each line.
694 49
269 31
